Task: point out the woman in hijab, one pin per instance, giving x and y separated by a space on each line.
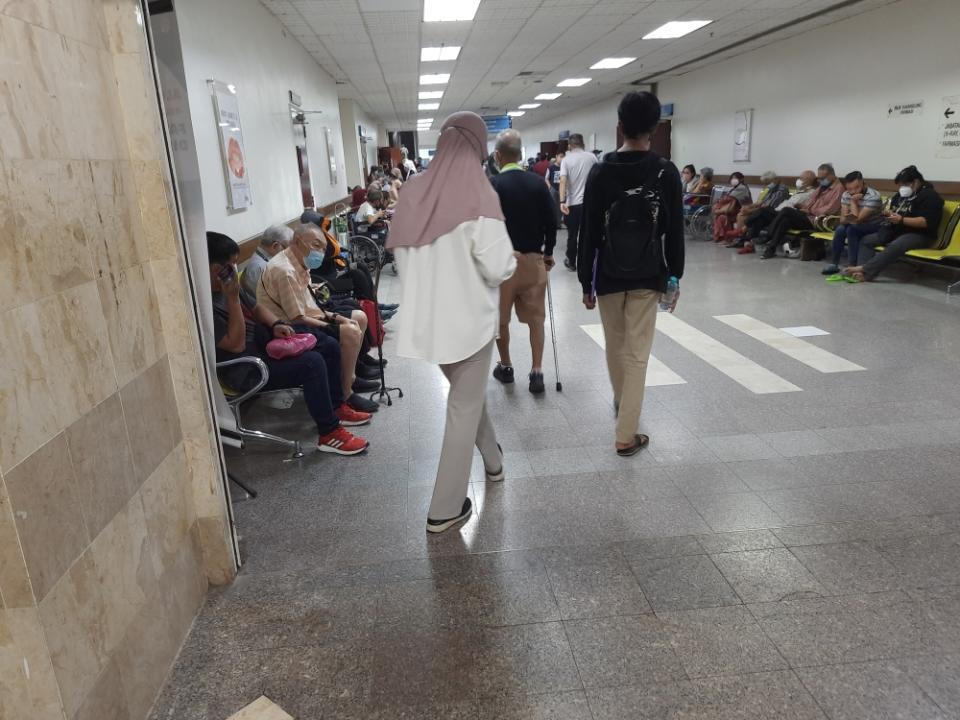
453 252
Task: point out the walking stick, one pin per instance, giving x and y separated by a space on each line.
553 334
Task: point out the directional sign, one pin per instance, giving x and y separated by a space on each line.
905 109
497 123
948 132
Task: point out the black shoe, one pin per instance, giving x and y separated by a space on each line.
362 404
361 385
572 267
536 383
367 372
503 373
769 253
389 306
371 361
438 526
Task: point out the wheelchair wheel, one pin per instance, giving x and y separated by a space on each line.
700 223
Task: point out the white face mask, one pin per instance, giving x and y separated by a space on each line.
906 191
734 182
799 184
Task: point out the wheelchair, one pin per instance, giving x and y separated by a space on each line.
699 223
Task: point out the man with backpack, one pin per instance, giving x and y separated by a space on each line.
632 245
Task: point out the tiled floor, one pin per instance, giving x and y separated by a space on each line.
790 555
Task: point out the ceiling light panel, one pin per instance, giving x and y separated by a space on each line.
436 79
675 29
573 82
430 94
612 63
529 106
428 106
516 113
437 54
449 10
548 96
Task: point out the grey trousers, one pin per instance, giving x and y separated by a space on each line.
874 263
467 425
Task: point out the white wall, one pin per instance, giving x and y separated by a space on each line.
823 96
598 118
352 117
248 48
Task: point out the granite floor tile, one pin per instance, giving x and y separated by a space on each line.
767 575
849 567
739 541
683 583
555 706
772 474
925 561
707 479
735 511
796 443
593 582
759 696
664 547
734 448
623 650
869 691
720 641
939 677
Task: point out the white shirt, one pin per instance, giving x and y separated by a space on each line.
364 211
575 167
410 166
450 291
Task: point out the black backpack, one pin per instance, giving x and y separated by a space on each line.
633 242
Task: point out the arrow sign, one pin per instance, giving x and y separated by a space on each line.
948 132
948 112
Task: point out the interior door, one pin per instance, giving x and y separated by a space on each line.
303 163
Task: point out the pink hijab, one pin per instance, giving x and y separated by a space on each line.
451 191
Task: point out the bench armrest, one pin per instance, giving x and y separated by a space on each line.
259 364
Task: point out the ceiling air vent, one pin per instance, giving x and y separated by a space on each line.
499 83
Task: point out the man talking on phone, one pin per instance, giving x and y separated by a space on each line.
632 245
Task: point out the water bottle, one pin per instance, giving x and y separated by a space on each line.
670 296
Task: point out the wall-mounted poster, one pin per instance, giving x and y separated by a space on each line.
236 174
331 156
742 130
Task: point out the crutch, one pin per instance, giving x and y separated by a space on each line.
553 334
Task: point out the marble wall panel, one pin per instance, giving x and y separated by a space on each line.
15 590
153 425
28 687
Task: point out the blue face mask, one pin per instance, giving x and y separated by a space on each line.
825 183
314 259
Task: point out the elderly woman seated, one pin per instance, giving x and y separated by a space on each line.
700 195
726 208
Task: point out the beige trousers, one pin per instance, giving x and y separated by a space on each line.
467 425
629 322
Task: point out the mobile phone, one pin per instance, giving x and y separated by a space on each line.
227 274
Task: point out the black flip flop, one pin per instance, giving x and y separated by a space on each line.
641 441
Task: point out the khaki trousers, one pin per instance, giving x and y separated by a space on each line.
629 322
467 425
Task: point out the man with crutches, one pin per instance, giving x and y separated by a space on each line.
529 214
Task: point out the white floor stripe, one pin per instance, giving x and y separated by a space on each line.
801 350
261 709
658 374
743 370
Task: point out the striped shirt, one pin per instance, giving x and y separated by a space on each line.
871 201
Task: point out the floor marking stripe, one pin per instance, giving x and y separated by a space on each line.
790 345
658 374
735 366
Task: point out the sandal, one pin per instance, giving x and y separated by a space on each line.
640 442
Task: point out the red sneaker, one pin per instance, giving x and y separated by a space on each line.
341 442
349 417
746 249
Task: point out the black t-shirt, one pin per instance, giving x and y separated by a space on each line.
242 376
926 203
553 173
605 184
528 211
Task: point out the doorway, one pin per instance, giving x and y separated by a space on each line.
660 141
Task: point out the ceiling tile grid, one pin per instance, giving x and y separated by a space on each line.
515 49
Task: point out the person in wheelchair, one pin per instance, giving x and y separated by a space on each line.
700 195
243 328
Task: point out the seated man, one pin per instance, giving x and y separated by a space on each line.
860 216
776 193
824 201
759 221
911 223
275 239
284 290
242 328
372 212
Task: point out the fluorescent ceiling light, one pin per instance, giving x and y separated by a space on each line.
529 106
428 106
676 28
516 113
435 54
430 94
449 10
548 96
611 63
438 79
425 121
573 82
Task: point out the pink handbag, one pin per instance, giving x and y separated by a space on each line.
290 347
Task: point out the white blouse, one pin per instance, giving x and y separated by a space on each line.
450 291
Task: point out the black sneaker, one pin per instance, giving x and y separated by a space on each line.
370 361
362 404
536 383
438 526
367 372
503 373
830 270
572 267
360 385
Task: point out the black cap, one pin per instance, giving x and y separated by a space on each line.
312 216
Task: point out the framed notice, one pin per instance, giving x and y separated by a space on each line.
742 131
235 171
331 156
